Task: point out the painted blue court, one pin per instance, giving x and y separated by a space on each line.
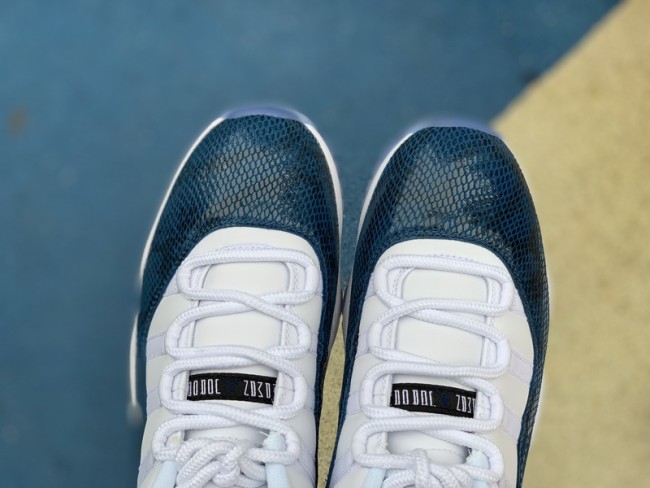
100 100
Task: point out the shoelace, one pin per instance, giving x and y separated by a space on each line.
484 467
227 461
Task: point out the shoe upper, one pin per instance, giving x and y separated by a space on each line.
238 296
450 218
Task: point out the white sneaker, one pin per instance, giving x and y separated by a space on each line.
240 301
446 320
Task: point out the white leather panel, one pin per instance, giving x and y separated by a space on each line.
155 346
310 312
153 421
513 391
440 451
361 366
154 370
355 477
298 477
151 477
352 424
515 328
170 307
448 345
508 448
305 425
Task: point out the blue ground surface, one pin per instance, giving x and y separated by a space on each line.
99 100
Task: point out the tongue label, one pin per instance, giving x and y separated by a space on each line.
421 397
231 386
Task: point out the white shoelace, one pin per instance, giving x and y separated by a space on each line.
484 467
224 461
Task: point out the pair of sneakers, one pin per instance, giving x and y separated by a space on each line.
445 316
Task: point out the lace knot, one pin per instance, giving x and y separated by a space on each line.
205 460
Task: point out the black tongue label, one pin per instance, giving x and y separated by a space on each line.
231 386
421 397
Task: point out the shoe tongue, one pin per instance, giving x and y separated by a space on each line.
443 344
245 387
